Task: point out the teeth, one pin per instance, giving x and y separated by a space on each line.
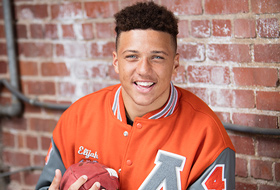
144 83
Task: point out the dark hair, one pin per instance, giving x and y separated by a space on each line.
146 15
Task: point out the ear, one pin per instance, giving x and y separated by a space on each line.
115 62
176 61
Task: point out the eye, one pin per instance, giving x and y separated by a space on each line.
157 57
131 57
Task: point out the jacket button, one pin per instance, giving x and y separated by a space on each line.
129 162
139 126
125 133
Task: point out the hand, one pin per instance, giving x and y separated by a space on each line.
76 185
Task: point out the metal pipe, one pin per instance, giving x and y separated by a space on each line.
29 168
33 102
15 108
252 130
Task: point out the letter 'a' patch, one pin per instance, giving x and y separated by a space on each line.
166 173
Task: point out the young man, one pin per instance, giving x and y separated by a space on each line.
155 135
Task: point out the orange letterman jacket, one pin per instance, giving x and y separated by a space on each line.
180 146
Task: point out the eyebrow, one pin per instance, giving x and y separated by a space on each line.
130 51
154 52
160 52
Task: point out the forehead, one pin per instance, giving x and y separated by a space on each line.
145 40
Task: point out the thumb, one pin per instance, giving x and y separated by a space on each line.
56 180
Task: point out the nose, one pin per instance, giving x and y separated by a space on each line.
143 66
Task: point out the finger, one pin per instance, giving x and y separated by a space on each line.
56 180
95 186
80 181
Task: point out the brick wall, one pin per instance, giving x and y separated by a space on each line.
230 58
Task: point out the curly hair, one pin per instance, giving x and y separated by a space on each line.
146 15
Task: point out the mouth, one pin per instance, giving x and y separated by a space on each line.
144 84
144 87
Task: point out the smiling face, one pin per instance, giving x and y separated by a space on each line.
145 61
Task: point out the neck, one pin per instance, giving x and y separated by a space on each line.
134 110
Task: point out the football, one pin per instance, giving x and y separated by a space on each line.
96 172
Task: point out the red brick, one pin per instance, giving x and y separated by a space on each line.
221 97
31 11
192 52
232 98
179 77
38 49
15 177
5 100
243 145
267 53
241 167
268 101
184 7
71 50
28 68
277 171
209 74
183 27
31 142
51 31
20 141
3 49
229 52
42 125
268 147
221 28
45 143
200 28
87 31
21 31
101 9
268 28
3 67
31 109
8 139
112 74
31 178
223 116
39 160
244 28
261 169
1 12
15 123
99 85
265 6
243 99
99 71
68 31
202 93
37 31
66 89
226 6
268 187
255 76
67 11
2 31
16 158
102 49
245 186
54 69
254 120
105 30
40 87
